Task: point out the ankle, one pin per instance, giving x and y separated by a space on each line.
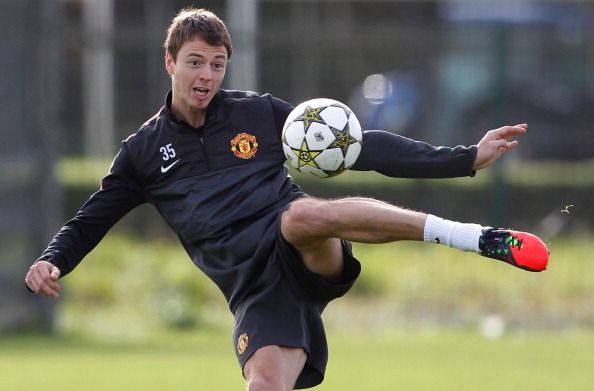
461 236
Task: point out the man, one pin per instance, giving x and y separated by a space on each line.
278 256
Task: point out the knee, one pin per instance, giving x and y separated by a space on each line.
306 217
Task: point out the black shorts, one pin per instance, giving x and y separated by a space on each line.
285 309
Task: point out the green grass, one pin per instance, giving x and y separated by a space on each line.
129 286
460 361
430 359
415 277
202 361
137 315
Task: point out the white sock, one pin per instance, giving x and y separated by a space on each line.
462 236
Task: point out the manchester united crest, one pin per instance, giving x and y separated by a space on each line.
242 343
244 145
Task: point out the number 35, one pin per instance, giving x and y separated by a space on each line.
167 151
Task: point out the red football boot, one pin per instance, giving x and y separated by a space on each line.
520 249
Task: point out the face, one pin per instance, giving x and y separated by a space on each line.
196 76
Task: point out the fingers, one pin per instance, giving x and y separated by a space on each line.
503 145
508 132
495 143
500 139
42 279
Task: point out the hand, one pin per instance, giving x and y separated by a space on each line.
42 279
495 143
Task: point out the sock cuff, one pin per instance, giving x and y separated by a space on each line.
467 237
462 236
432 225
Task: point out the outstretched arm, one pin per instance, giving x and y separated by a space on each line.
401 157
120 192
495 143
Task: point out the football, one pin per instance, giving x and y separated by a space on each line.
322 137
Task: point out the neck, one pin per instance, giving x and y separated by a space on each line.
194 117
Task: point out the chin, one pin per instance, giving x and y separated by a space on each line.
201 104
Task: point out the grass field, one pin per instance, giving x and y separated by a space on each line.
420 360
148 320
129 286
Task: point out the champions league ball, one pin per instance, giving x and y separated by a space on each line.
322 137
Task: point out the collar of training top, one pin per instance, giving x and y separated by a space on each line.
213 112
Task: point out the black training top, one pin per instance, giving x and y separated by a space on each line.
220 187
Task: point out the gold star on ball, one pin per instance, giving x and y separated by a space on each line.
305 156
310 114
343 139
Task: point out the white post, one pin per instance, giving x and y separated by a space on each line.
98 78
242 21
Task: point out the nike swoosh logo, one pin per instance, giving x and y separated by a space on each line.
164 169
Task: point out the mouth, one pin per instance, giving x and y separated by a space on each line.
200 91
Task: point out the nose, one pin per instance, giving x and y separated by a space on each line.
205 73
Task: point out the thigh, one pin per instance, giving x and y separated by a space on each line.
275 367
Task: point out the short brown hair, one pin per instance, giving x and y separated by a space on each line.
191 23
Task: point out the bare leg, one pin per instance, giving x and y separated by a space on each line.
274 368
313 226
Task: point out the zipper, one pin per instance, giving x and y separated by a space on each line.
203 147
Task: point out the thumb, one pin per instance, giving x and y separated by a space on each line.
55 274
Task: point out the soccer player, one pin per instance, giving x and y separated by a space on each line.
278 255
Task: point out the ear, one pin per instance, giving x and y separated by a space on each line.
169 63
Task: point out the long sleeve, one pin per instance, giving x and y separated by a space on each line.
400 157
120 192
